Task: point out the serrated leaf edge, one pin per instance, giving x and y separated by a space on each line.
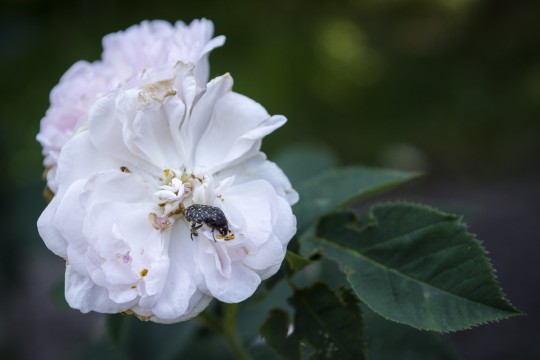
450 217
463 225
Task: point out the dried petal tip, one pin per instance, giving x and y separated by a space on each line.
160 223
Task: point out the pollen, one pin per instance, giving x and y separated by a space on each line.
144 272
133 286
226 238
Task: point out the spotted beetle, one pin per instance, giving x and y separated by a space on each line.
212 216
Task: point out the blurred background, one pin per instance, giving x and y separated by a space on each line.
448 87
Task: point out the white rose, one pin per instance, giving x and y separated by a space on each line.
126 179
141 54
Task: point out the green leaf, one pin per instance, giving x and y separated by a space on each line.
253 312
331 323
333 188
301 162
388 340
415 265
296 262
274 331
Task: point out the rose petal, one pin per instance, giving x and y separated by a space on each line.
83 294
257 167
234 132
49 232
201 115
267 255
178 290
240 283
72 166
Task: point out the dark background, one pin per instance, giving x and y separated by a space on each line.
449 87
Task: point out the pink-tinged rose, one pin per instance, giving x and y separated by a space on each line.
144 53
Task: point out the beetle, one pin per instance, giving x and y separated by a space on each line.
212 216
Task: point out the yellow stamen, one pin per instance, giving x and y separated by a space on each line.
144 272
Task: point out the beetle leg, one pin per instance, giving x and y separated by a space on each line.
194 228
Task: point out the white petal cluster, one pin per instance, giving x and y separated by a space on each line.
141 54
144 154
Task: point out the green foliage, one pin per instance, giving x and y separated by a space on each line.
388 340
296 262
304 162
275 330
329 322
327 325
253 312
415 265
333 188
